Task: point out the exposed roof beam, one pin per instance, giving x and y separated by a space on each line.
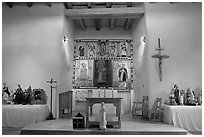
98 24
112 21
127 24
49 4
89 4
82 24
131 12
68 5
108 4
29 4
9 4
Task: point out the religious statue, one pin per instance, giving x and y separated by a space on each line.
5 94
81 51
176 94
190 97
200 98
172 98
19 95
83 71
123 52
102 120
5 89
182 97
123 73
101 67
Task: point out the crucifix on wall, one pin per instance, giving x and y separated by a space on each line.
160 56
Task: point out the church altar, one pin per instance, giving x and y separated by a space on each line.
115 101
186 117
23 115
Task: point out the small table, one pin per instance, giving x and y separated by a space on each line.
115 101
187 117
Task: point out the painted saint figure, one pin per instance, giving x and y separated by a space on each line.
81 51
102 50
92 50
102 119
83 71
112 49
123 73
101 71
123 51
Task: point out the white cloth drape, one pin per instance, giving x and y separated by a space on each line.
22 115
186 117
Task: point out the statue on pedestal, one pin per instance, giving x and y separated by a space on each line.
102 120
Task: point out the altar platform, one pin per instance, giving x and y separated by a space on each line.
129 126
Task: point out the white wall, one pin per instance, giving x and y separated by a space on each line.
32 50
140 83
180 28
104 33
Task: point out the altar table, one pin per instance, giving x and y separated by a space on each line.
115 101
186 117
23 115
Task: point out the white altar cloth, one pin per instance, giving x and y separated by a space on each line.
186 117
22 115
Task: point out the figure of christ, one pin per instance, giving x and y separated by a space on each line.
102 119
101 67
83 72
123 73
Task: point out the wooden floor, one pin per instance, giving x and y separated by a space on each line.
129 126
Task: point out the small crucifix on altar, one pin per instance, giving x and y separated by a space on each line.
51 117
160 56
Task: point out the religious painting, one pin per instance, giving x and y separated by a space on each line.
103 63
81 49
102 73
121 75
113 49
83 73
124 49
102 49
92 49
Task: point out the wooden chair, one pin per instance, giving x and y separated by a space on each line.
141 107
156 111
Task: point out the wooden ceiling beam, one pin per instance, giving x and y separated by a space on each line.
49 4
105 12
127 24
82 24
89 4
108 5
68 5
29 4
111 23
98 24
9 4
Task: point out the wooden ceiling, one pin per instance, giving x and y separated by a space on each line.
98 15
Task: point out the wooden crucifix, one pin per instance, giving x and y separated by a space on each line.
51 117
160 56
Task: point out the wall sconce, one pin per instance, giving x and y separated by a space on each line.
65 39
143 39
